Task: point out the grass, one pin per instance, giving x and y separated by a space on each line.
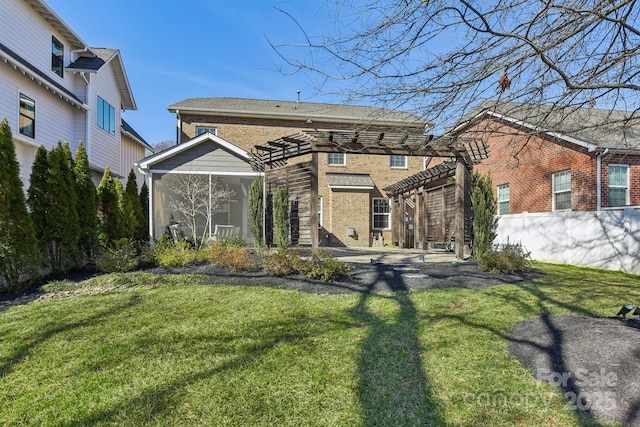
167 350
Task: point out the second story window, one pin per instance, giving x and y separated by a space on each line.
106 116
203 129
503 199
27 116
562 190
57 56
618 185
336 159
398 162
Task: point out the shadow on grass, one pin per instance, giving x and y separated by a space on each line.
393 388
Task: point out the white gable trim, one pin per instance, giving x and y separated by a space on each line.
147 164
579 142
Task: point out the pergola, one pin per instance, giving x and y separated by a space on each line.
460 154
276 153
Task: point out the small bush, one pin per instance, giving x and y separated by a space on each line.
230 253
174 254
120 257
235 241
508 260
323 266
283 262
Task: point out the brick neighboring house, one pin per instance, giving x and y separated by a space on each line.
566 181
544 160
351 208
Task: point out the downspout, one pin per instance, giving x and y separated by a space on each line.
87 119
599 178
178 128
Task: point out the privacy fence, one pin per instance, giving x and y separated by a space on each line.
607 239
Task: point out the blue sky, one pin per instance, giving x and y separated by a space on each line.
173 50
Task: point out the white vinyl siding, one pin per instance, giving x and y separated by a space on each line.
618 185
562 190
105 147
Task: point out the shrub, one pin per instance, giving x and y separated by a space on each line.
281 217
283 262
507 261
121 257
174 254
323 266
256 212
234 241
236 258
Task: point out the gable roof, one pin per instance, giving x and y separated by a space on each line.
56 22
90 59
591 128
100 57
147 163
263 108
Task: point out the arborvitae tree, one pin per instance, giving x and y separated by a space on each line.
140 229
62 218
144 202
39 198
108 210
127 225
87 205
483 209
19 255
256 212
281 216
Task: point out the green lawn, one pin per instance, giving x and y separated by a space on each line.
174 352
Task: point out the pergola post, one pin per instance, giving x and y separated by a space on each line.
463 209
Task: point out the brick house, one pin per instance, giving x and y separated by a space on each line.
566 181
544 160
341 193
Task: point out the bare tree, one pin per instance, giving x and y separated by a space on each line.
196 196
440 58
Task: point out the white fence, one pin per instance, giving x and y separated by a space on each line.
607 239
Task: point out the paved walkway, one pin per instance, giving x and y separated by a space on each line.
391 255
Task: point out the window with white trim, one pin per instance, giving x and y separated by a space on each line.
320 212
503 199
27 116
618 185
106 116
562 190
336 159
398 161
381 214
57 56
204 129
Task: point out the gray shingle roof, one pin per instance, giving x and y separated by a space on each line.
297 110
93 63
600 128
349 180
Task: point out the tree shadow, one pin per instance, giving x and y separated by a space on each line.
392 386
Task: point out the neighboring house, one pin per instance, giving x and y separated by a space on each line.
54 87
566 180
340 193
